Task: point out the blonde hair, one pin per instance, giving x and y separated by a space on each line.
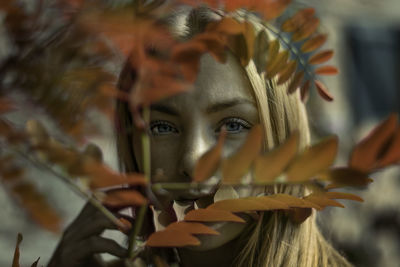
273 240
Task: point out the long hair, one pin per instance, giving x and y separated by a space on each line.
273 240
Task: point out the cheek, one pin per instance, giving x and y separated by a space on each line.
164 160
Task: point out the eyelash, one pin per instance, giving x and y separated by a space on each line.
157 123
242 123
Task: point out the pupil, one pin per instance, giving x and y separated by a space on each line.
233 126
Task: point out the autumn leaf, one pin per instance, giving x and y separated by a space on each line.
209 162
249 204
123 198
172 238
322 200
297 20
191 228
392 154
313 160
212 215
294 202
342 195
345 176
367 152
270 9
270 165
323 91
299 215
16 251
304 90
296 82
278 64
227 25
236 166
321 57
314 43
273 50
326 70
306 29
261 45
287 72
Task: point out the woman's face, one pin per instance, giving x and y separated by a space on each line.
185 126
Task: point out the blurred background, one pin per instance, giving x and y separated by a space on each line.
365 35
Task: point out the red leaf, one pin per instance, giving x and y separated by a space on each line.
306 29
367 152
314 43
16 252
327 70
211 215
323 91
321 57
123 198
209 162
172 238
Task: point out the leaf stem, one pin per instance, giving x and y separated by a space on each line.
140 215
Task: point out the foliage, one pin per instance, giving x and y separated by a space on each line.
63 72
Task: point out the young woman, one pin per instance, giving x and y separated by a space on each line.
185 126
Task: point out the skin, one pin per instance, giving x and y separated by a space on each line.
185 126
182 127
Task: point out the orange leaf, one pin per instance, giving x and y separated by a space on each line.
226 25
313 160
269 166
37 206
270 9
248 204
209 162
294 202
172 238
278 64
295 83
322 201
314 43
236 166
323 91
296 21
345 177
16 251
191 228
366 153
211 215
124 197
327 70
306 30
342 195
287 72
321 57
392 154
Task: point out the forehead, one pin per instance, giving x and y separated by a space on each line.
216 83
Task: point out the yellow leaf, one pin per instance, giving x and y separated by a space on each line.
313 160
248 204
270 165
294 202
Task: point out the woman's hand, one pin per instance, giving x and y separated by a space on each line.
81 241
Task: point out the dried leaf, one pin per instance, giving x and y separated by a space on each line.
172 238
248 204
323 91
321 57
261 45
297 20
278 64
123 198
237 44
236 166
299 215
191 228
304 90
367 152
326 70
295 83
249 36
37 206
392 154
209 162
287 72
294 202
306 30
314 43
273 50
345 176
270 165
342 195
322 200
313 160
212 215
16 251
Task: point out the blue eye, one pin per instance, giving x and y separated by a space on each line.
162 128
234 125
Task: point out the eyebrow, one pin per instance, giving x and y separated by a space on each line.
165 109
228 104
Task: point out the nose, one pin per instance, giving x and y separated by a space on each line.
195 142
